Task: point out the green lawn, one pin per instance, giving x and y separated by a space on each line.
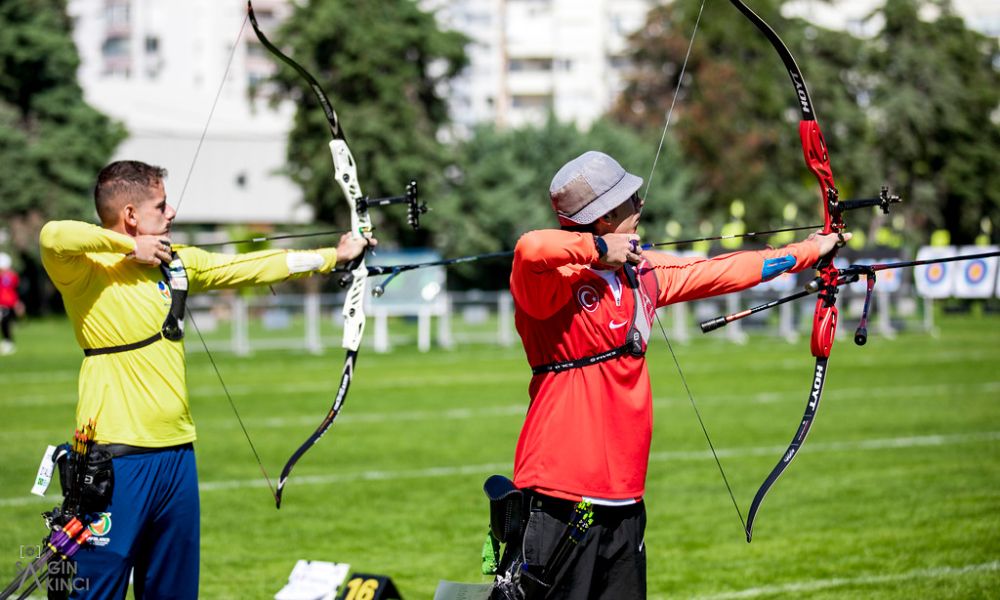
895 495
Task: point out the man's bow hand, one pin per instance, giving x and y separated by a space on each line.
351 247
828 242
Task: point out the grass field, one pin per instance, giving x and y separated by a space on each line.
895 495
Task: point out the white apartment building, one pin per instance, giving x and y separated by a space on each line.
530 58
158 67
569 57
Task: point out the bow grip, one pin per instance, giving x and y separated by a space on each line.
824 328
346 279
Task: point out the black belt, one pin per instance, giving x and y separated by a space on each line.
124 347
120 450
563 509
585 361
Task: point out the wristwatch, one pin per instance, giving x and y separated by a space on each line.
602 247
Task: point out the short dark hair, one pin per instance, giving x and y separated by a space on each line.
129 178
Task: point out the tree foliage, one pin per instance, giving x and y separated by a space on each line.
937 101
52 143
385 66
735 115
914 107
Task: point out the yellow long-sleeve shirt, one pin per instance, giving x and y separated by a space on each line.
140 397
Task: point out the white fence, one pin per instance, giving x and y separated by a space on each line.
313 323
241 323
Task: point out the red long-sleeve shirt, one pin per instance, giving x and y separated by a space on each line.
587 431
8 288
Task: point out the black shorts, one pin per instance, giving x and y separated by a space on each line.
610 563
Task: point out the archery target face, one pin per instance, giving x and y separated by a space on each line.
935 280
974 278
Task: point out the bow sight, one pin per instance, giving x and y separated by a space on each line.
413 208
883 202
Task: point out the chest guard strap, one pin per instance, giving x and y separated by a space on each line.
635 339
173 325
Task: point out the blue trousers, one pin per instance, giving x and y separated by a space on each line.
151 528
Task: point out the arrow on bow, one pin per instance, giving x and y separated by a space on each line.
849 274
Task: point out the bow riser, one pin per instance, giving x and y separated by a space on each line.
818 161
347 177
354 316
361 225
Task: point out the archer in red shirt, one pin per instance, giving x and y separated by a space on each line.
585 298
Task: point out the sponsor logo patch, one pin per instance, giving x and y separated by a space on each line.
100 529
164 290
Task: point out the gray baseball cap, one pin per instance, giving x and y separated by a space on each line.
589 187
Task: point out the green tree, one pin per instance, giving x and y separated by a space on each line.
937 95
384 64
51 142
735 115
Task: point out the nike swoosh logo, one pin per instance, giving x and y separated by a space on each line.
614 325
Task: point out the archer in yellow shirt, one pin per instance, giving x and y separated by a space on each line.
134 385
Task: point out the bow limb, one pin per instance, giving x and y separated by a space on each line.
345 172
825 316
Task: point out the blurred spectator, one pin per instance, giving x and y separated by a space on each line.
10 304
